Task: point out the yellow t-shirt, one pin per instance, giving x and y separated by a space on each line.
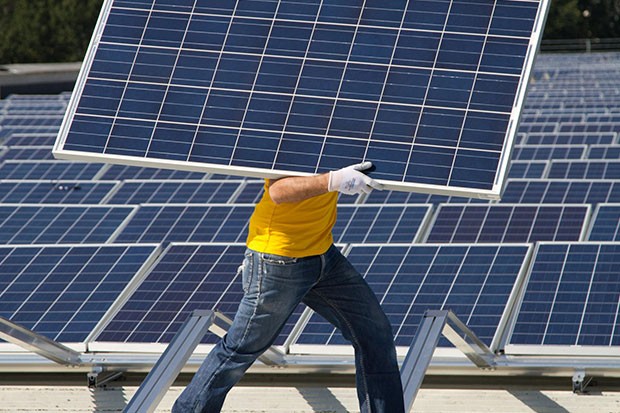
297 230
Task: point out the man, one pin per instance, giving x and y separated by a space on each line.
290 259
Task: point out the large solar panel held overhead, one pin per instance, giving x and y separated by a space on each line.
430 91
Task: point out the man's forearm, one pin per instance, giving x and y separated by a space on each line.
297 188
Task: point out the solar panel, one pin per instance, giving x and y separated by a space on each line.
28 153
571 296
187 223
528 169
56 170
605 223
185 278
30 139
570 138
604 152
455 223
63 292
399 197
174 191
30 121
585 169
380 223
54 224
430 91
590 127
126 172
54 192
561 191
6 131
547 152
477 282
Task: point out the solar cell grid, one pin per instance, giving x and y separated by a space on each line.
54 192
27 153
603 152
427 90
54 170
605 223
528 169
570 138
455 223
561 191
584 169
29 139
475 281
126 172
548 152
55 224
185 278
63 292
174 191
571 296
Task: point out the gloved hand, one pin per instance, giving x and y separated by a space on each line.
351 180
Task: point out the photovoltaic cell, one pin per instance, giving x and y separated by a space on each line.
187 223
528 169
571 296
561 191
185 278
547 152
55 170
126 172
63 292
474 281
29 139
605 223
429 91
27 153
590 169
55 224
173 191
54 192
508 223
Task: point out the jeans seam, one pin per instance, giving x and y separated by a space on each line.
354 337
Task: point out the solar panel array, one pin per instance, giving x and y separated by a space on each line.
102 254
429 91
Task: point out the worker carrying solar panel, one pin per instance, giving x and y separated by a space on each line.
290 259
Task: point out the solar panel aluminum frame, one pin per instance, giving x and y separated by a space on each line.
545 350
102 346
446 189
440 352
83 346
582 235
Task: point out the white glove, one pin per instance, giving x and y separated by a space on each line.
351 180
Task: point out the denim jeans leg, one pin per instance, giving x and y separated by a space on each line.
344 298
273 287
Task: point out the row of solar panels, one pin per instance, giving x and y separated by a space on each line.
387 223
565 295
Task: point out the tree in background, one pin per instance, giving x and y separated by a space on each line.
34 31
583 19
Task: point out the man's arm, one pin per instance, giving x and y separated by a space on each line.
350 180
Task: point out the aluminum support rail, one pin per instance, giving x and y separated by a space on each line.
43 346
418 358
167 368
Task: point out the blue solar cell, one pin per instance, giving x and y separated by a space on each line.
185 278
571 296
172 191
54 192
558 191
47 224
55 170
426 90
7 131
380 224
63 292
548 152
399 197
475 281
584 170
604 152
125 172
508 223
187 223
528 169
30 139
570 139
28 153
606 223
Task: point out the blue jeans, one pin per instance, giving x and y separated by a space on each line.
273 287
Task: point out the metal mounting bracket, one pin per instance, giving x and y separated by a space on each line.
581 382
